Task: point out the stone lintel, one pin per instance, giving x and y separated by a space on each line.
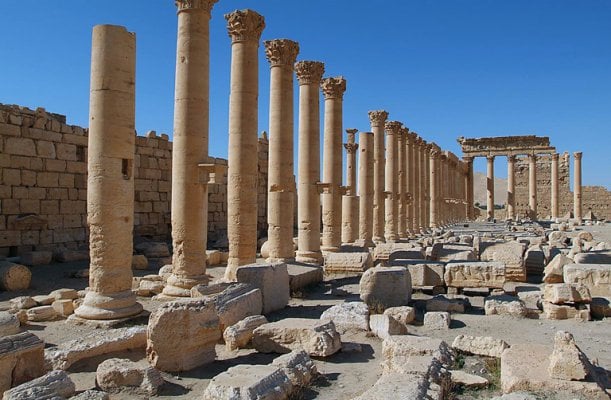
505 146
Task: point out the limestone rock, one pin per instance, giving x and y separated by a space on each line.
94 344
505 305
64 294
41 313
437 320
516 396
298 366
404 353
567 361
63 308
21 359
271 279
424 274
406 254
213 257
553 272
593 257
153 249
347 316
511 254
115 374
91 395
54 385
442 303
165 272
44 300
383 325
402 314
560 293
597 277
466 380
317 338
9 324
383 287
489 274
249 382
585 236
22 303
181 335
14 277
579 312
480 345
398 386
451 252
139 262
600 307
32 258
347 262
238 336
148 288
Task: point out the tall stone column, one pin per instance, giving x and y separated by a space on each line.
490 188
442 210
392 129
511 196
402 175
554 194
281 54
425 186
417 195
110 181
245 28
469 187
350 201
577 200
377 120
366 188
433 188
410 175
532 186
309 74
333 90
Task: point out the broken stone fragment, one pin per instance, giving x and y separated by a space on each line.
140 262
238 336
597 277
560 293
21 359
383 325
437 320
249 382
487 274
271 279
480 345
402 314
384 287
9 324
41 313
298 366
469 381
115 375
553 272
347 316
54 385
505 305
442 303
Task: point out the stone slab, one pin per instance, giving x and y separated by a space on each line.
489 274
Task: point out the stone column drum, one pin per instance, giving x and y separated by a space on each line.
309 74
366 188
490 188
554 178
350 201
402 190
281 54
577 200
244 27
393 130
333 90
110 180
532 186
377 120
511 187
190 148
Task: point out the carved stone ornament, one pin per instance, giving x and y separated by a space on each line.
351 147
309 72
281 52
393 127
334 87
205 5
378 117
245 25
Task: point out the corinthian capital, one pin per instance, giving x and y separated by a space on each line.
245 25
577 155
351 148
333 88
205 5
393 127
378 117
281 52
309 72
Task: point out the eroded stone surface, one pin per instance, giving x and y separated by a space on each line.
271 279
436 320
298 366
347 262
403 314
384 325
424 274
239 335
567 361
249 382
505 305
21 359
490 274
346 316
560 293
511 254
597 277
480 345
9 324
116 374
386 287
554 270
54 385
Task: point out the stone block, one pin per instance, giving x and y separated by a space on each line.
347 262
593 257
298 366
115 375
32 258
9 324
318 338
580 312
94 344
466 380
41 313
54 385
21 359
404 314
139 262
302 276
398 386
553 272
567 361
91 395
383 325
181 335
20 146
560 293
63 308
489 274
384 287
249 382
14 277
348 316
22 303
402 353
424 274
214 257
597 277
406 254
442 303
505 305
511 254
239 335
480 345
454 252
271 279
600 307
437 320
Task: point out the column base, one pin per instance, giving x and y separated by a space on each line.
274 260
98 306
309 257
330 249
378 239
180 286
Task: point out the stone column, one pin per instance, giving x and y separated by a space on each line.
532 186
377 120
442 187
511 197
417 195
469 187
554 194
490 188
110 181
433 189
425 186
244 27
281 54
392 129
350 201
402 176
577 201
309 74
366 188
410 215
333 90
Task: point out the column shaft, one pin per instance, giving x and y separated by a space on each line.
377 120
433 191
469 188
490 188
577 200
410 184
532 186
511 198
366 188
392 129
402 176
425 187
350 201
554 194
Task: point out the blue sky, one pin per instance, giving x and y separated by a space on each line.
445 68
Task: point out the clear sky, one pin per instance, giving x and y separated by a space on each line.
444 68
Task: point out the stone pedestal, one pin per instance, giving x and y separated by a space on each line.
577 204
490 188
402 189
511 193
393 130
309 74
244 27
350 201
532 186
190 148
281 55
333 90
366 188
110 181
377 120
554 194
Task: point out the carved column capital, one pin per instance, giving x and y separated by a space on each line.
577 155
434 153
245 25
281 52
333 87
186 5
532 157
309 72
555 156
511 158
378 117
490 158
351 134
351 148
393 127
468 159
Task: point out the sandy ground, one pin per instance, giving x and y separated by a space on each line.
345 374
